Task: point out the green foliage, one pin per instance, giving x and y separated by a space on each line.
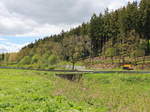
25 60
110 52
139 53
2 56
35 59
96 33
74 47
52 60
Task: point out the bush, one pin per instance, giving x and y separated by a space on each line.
53 60
110 52
35 59
139 52
25 60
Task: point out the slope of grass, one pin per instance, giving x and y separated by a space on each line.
31 91
112 92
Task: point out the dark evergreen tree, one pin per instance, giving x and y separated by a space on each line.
145 22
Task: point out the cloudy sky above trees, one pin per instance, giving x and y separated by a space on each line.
23 21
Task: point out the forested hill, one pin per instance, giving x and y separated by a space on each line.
123 32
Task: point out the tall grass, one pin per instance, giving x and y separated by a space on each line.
111 92
31 91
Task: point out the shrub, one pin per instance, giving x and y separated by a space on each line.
35 59
25 60
110 52
53 60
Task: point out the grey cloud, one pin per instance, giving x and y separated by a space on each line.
12 26
13 31
56 11
46 17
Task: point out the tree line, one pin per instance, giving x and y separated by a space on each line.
124 32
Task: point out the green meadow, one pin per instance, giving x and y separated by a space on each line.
35 91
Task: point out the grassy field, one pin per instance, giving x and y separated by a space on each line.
31 91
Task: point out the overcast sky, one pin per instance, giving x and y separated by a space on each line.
23 21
